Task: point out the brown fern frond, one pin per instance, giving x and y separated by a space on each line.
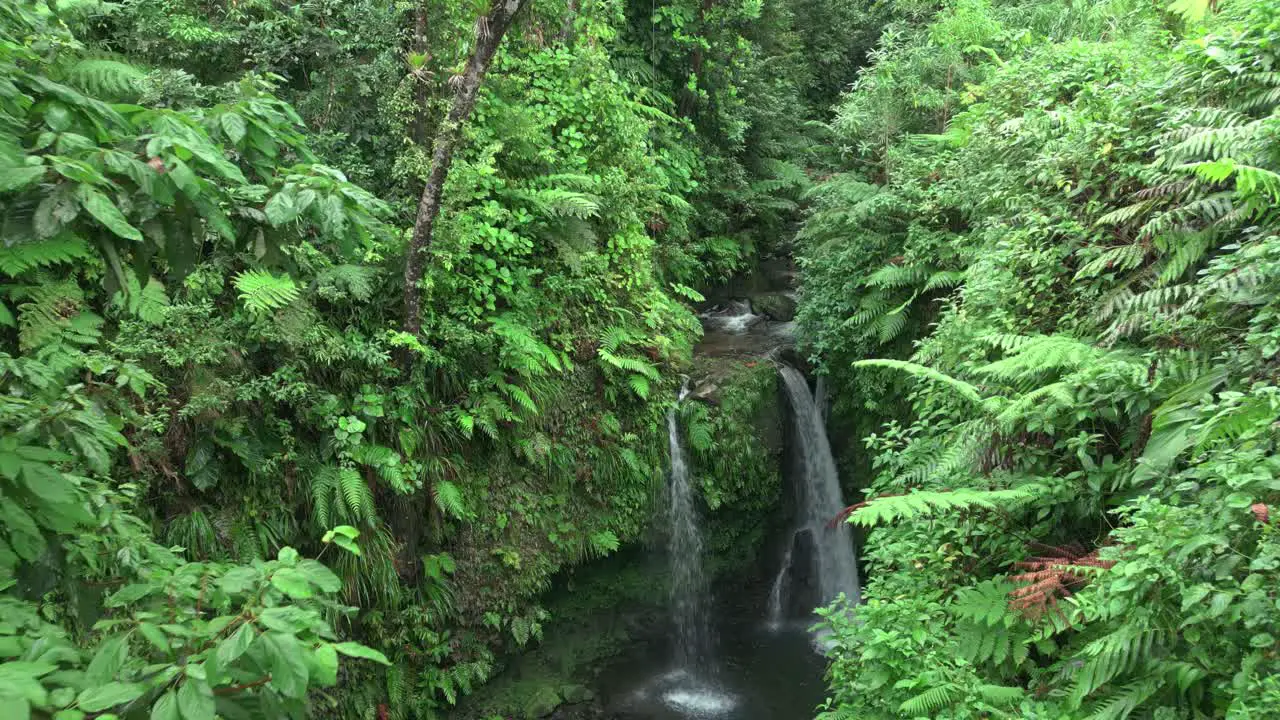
1051 576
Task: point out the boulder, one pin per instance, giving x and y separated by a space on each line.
541 703
778 307
575 694
707 392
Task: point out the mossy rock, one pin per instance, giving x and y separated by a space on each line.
775 306
542 703
574 694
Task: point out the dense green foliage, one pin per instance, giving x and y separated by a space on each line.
204 211
1040 269
1056 232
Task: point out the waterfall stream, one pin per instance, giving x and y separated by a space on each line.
834 569
684 549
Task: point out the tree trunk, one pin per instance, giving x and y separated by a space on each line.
689 98
566 27
420 74
490 30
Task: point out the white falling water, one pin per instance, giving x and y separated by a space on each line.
684 548
734 318
834 565
778 592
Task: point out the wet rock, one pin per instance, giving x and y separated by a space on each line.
541 704
584 711
779 307
576 694
707 393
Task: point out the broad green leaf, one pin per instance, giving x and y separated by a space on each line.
101 697
108 660
19 679
195 701
324 666
239 579
230 649
320 576
15 178
129 594
154 635
287 658
357 650
281 208
166 708
106 212
292 582
233 125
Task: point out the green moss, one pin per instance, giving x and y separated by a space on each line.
736 437
541 703
596 610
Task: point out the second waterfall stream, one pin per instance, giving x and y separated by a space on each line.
684 547
833 567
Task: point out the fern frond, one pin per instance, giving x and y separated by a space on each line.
921 503
930 701
20 257
106 78
448 498
969 392
261 291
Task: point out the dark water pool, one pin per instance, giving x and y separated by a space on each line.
760 674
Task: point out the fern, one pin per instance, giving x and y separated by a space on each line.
559 203
355 280
261 291
892 508
105 77
448 498
898 276
148 303
602 543
932 700
1107 658
63 248
386 462
52 312
639 385
339 496
967 391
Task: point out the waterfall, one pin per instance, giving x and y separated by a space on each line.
778 593
833 564
684 549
